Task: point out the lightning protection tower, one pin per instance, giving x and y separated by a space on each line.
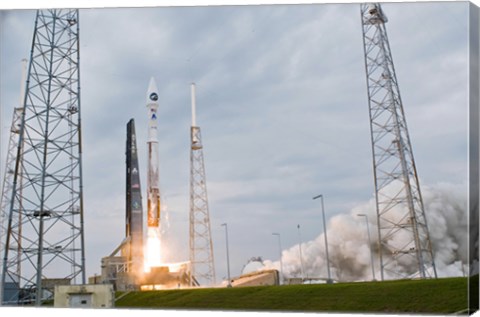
201 248
44 242
8 177
10 165
405 246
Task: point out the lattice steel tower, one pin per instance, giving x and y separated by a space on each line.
405 246
201 247
8 177
10 165
45 236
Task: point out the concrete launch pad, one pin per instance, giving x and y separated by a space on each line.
168 276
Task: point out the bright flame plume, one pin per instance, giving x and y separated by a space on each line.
153 254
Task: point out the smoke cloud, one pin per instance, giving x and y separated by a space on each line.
349 252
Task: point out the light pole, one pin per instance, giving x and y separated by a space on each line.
369 243
329 280
228 259
300 250
280 251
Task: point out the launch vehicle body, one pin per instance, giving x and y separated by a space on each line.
153 192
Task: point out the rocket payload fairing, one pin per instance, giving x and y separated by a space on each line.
153 191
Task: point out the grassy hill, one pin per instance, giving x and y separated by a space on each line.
446 295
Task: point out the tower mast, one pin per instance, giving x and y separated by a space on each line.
45 236
405 246
10 165
134 211
201 247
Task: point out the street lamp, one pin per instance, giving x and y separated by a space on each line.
300 250
228 259
280 251
329 280
369 243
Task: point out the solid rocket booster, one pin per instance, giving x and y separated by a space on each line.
153 192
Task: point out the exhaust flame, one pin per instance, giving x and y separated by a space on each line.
153 254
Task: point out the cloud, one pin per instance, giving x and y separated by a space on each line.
281 101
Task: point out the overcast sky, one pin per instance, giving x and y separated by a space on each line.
282 106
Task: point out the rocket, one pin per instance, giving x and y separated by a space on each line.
153 192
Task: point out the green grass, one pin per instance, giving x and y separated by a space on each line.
446 295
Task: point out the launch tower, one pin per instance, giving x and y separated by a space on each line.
125 271
134 212
201 247
10 165
8 183
402 225
44 242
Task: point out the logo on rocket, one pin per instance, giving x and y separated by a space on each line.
153 96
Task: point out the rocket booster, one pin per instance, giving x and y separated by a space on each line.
153 192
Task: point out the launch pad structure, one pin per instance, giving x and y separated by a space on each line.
8 176
134 211
134 265
124 266
201 246
9 171
401 221
44 240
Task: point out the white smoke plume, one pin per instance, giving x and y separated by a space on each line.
349 252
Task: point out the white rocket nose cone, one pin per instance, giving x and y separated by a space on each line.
152 92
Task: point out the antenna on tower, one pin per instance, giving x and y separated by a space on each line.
201 247
44 243
402 225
